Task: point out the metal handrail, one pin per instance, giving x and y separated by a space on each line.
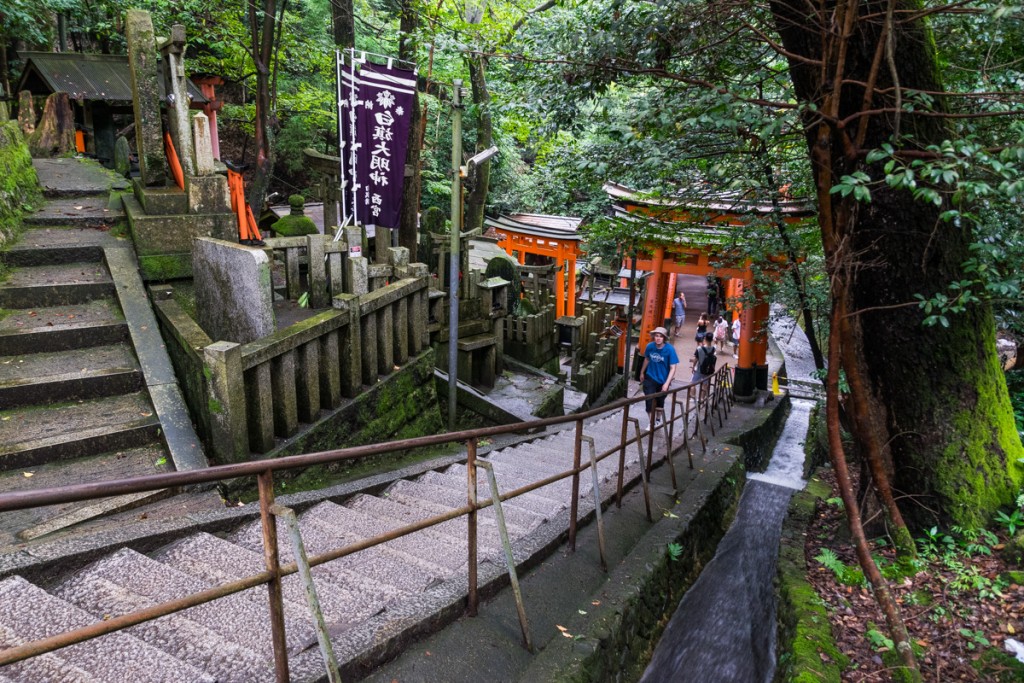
263 471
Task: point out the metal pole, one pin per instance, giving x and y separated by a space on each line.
453 257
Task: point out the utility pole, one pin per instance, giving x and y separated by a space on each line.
453 256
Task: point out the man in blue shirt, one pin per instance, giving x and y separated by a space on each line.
679 311
660 361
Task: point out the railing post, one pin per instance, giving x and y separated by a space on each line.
265 483
471 533
575 504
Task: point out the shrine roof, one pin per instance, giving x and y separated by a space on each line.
723 202
86 77
554 227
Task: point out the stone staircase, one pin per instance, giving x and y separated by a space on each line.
368 598
86 388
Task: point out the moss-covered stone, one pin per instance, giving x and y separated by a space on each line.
999 667
19 186
294 226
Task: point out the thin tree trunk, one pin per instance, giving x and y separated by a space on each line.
6 80
262 33
343 24
408 221
484 139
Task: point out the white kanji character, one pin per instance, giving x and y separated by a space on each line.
381 163
383 133
379 178
375 210
381 149
384 118
376 199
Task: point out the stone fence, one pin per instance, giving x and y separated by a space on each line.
245 396
532 339
591 378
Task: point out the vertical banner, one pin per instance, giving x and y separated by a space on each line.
376 121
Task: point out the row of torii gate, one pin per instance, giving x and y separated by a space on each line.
694 245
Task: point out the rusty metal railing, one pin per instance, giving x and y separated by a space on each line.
703 401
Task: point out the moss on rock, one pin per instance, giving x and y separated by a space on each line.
294 226
808 652
19 186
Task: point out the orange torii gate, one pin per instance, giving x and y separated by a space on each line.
699 239
555 237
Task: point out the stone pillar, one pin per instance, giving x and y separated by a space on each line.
357 275
142 63
226 392
122 157
203 145
349 339
177 99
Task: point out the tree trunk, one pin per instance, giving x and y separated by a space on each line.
477 197
262 32
5 79
343 24
408 220
941 397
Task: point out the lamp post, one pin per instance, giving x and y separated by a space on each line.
453 257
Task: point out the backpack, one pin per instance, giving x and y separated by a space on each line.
707 362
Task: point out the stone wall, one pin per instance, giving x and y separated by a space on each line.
759 442
807 650
18 183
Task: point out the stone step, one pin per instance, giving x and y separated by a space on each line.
519 522
512 477
76 212
606 469
527 504
401 572
437 550
62 328
218 561
37 435
29 613
403 515
22 255
175 634
240 618
38 378
23 524
65 284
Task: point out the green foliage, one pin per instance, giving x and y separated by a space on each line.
675 552
1011 522
846 575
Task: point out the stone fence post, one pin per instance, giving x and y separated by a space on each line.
226 401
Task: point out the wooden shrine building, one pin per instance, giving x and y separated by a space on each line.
697 235
100 88
535 239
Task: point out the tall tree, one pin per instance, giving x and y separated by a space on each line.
941 422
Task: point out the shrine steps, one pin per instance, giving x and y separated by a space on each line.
373 601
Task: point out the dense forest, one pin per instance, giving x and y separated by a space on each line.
899 120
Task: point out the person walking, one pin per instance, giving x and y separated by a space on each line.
658 369
702 327
736 326
721 332
703 363
679 312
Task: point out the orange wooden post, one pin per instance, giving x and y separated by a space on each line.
560 284
571 284
172 161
